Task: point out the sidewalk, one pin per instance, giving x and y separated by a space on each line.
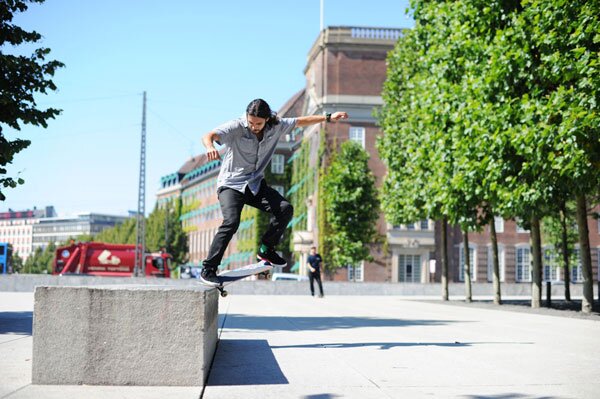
354 347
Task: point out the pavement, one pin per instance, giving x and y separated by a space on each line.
354 347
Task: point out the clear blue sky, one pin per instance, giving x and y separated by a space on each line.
200 62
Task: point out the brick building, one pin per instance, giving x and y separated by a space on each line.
345 71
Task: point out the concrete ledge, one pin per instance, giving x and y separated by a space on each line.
123 335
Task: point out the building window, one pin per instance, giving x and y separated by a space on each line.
461 273
490 263
550 268
410 226
523 265
576 272
409 268
499 224
355 273
424 224
277 164
358 134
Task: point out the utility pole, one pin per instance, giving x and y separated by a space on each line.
140 245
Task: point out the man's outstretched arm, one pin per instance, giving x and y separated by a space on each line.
314 119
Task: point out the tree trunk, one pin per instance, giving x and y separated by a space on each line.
565 251
445 296
585 255
467 275
536 272
496 264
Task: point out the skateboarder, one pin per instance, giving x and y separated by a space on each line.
250 143
314 266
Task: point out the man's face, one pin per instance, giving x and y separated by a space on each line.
255 123
313 251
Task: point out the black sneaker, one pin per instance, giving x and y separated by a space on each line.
269 255
209 277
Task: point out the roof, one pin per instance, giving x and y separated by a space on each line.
293 106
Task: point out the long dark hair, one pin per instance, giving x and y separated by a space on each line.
261 109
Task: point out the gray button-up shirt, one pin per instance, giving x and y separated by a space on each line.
245 158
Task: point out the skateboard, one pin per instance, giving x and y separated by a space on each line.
229 276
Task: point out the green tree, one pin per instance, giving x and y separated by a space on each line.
21 77
415 145
164 231
123 233
351 205
547 71
41 260
17 263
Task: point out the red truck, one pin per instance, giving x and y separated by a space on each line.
112 260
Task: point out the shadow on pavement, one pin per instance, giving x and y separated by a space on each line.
281 323
245 362
508 396
16 323
390 345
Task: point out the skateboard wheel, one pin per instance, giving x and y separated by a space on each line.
223 293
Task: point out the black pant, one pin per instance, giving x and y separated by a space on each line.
315 276
232 202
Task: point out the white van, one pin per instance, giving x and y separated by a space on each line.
288 277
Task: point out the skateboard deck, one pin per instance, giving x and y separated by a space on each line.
230 276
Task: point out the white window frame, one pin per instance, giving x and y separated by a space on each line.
360 272
501 263
424 222
550 270
278 164
461 262
357 133
499 223
416 268
576 268
525 265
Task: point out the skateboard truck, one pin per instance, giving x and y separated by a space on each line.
222 290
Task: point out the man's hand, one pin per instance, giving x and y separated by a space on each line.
336 116
312 269
211 152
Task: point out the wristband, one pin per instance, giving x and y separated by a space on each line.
328 117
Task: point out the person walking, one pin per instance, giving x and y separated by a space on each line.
249 144
314 266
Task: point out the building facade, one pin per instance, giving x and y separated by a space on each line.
345 71
514 254
16 228
57 230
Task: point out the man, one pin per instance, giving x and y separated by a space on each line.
314 266
249 144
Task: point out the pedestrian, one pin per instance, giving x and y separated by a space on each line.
249 144
314 266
